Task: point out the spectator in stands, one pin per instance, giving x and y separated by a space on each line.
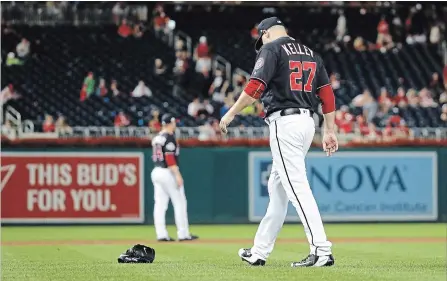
219 87
159 67
7 130
228 102
202 57
254 32
48 125
179 46
125 30
426 99
142 13
435 33
367 103
23 49
202 50
208 107
400 99
346 126
444 113
119 11
8 93
114 88
154 123
180 68
335 81
373 133
359 44
395 127
239 82
206 131
249 110
141 90
443 97
62 127
121 120
384 100
194 107
102 90
216 128
12 60
161 23
361 126
413 99
339 117
435 84
157 9
394 119
203 65
384 39
88 86
340 30
138 30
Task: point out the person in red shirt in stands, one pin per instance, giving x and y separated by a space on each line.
254 32
395 126
160 22
384 38
154 124
361 126
202 50
396 131
347 125
400 100
124 30
48 125
121 120
339 117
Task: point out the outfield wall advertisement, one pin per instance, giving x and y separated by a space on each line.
64 187
358 186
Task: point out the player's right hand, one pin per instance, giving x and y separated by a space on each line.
225 121
330 143
179 180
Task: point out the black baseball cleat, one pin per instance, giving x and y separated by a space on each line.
315 261
251 259
168 239
190 238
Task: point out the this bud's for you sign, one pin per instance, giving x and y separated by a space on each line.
63 187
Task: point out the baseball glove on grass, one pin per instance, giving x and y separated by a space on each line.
137 254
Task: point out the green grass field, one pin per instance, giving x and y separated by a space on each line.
363 252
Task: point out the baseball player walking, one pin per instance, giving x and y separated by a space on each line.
290 79
168 183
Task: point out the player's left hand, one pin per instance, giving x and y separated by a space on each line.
330 143
224 122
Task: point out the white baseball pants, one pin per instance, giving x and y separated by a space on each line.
165 188
290 139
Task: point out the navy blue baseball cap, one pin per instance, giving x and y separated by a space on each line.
167 118
263 26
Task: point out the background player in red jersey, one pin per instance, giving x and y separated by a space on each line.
168 183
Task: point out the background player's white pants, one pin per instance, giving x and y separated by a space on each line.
165 188
290 139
